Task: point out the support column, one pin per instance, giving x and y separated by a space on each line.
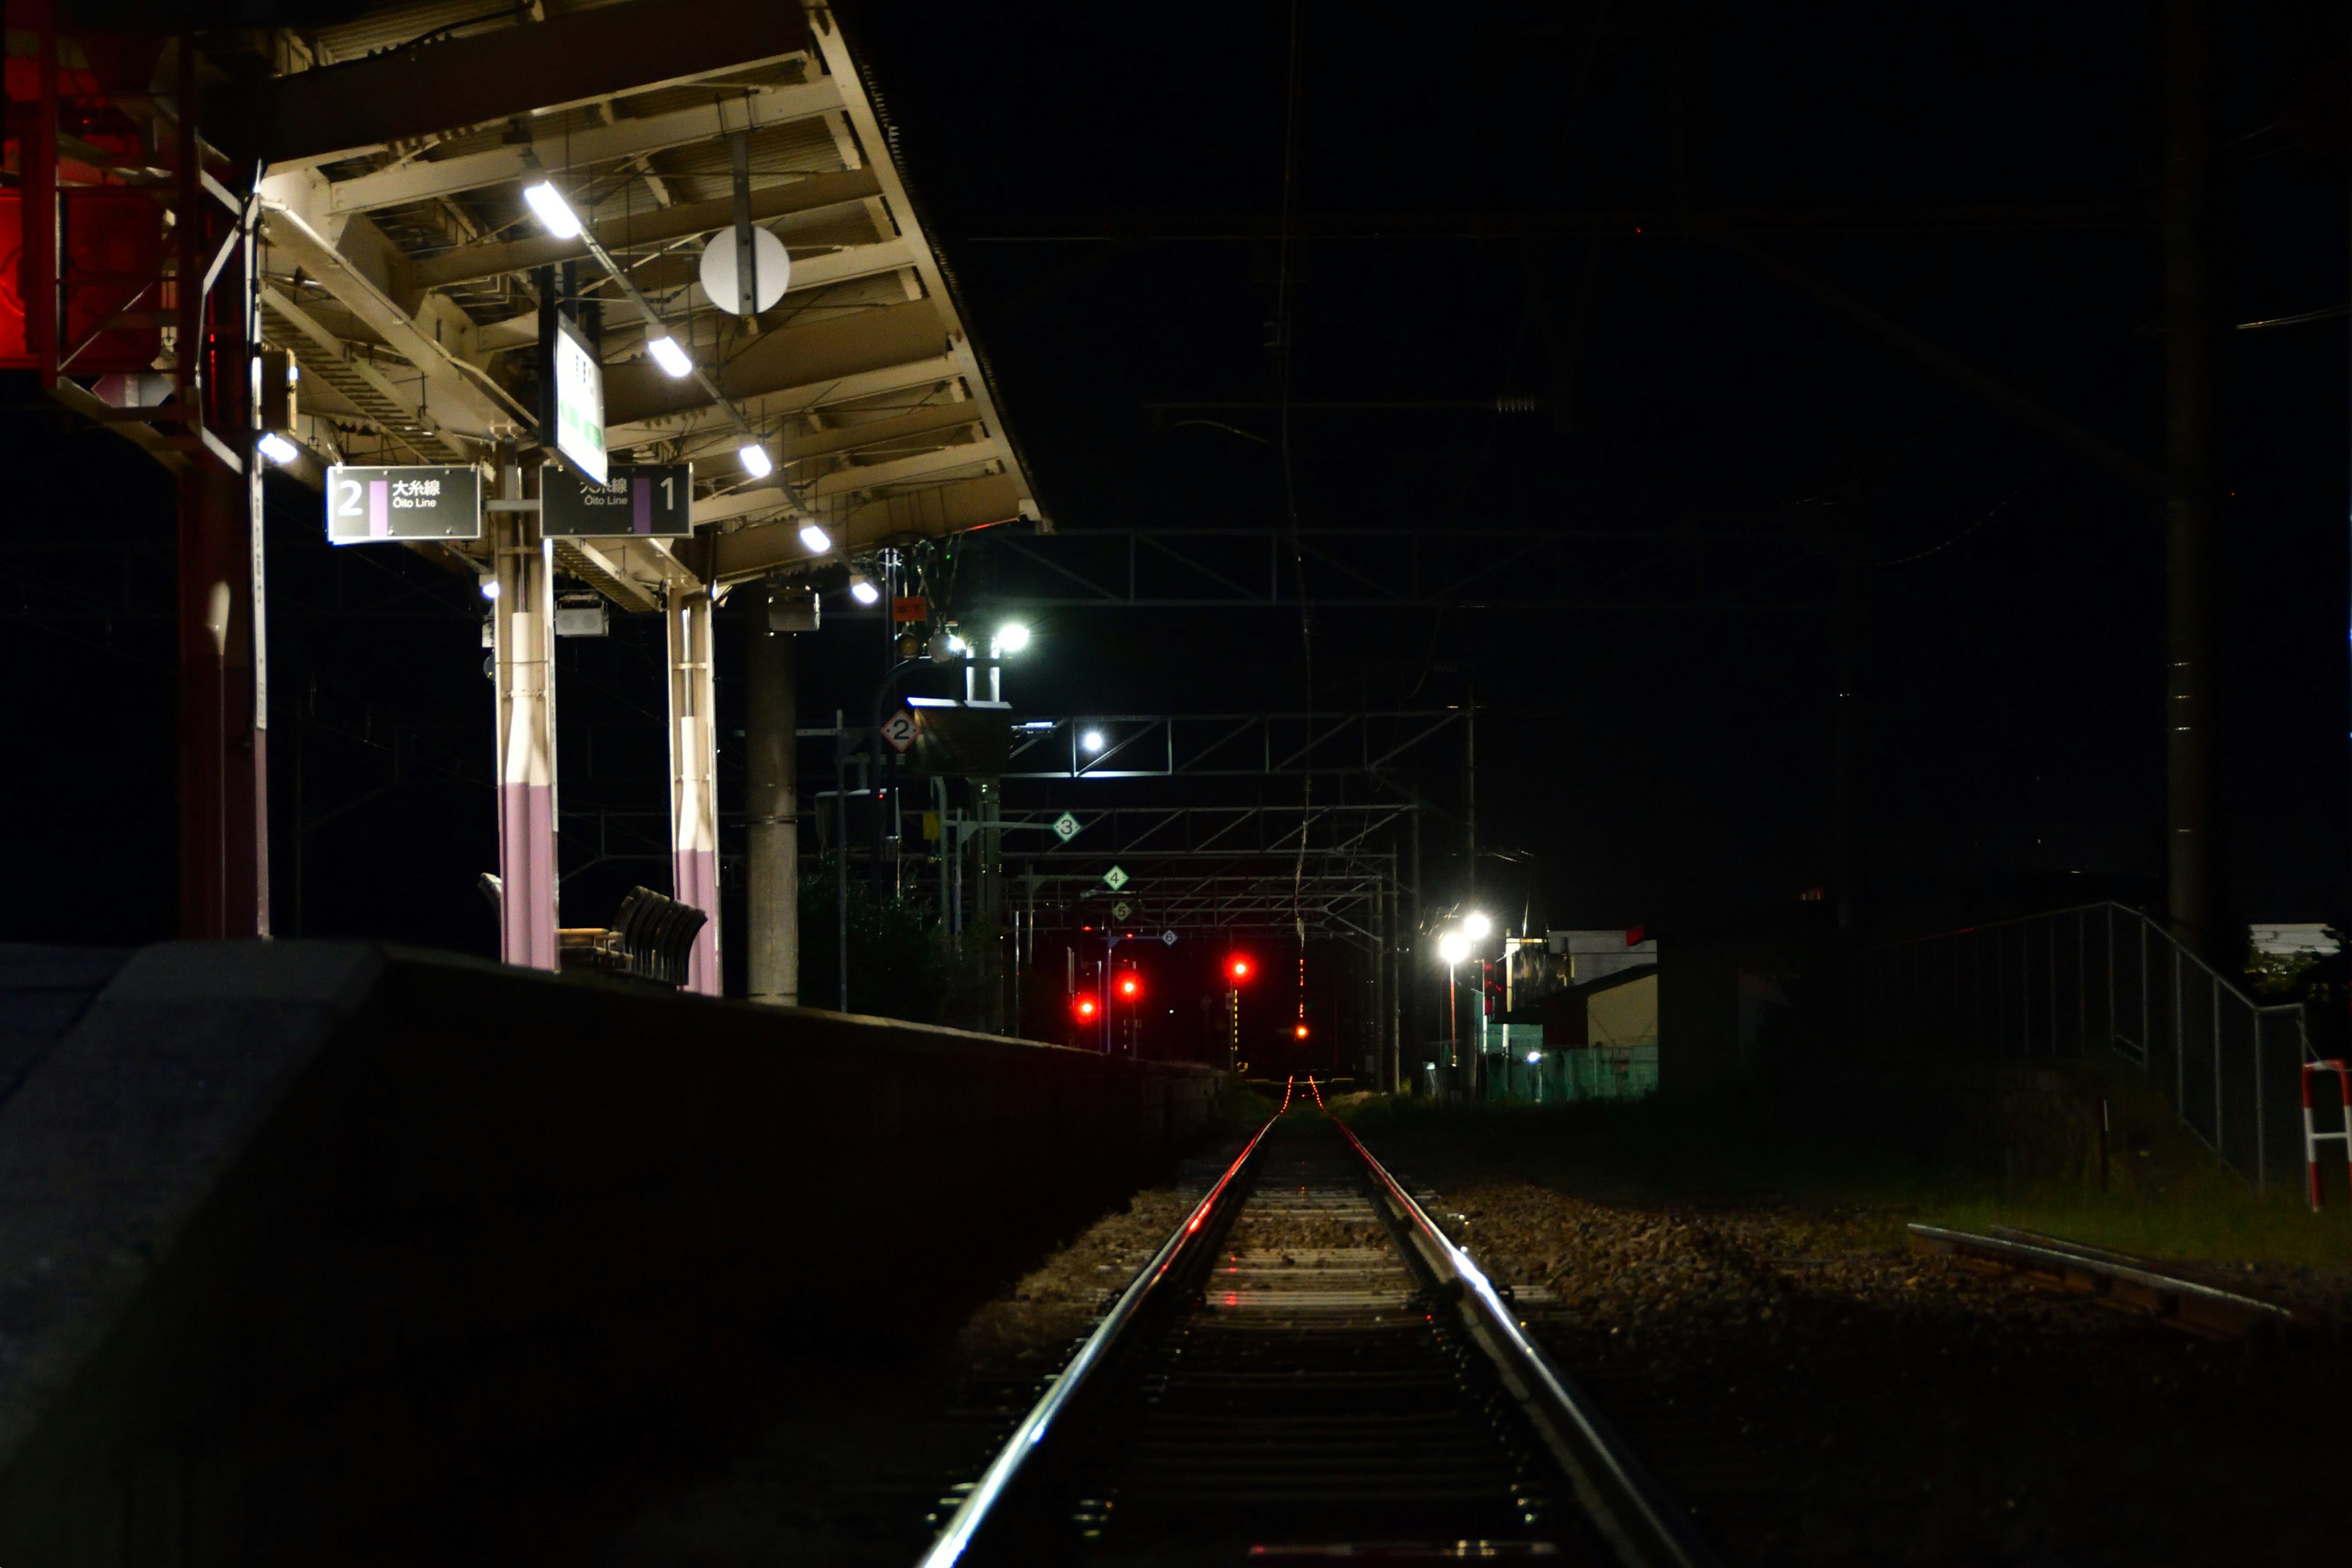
694 776
224 760
771 812
524 665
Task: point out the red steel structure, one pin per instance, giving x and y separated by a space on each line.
132 296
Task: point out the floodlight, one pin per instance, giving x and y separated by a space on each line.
956 644
1452 947
553 211
278 449
1476 926
1092 740
754 458
1011 638
670 357
862 589
818 540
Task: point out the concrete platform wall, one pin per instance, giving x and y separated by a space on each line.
320 1252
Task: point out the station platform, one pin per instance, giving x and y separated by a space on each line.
332 1251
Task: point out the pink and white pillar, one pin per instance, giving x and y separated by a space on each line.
524 665
694 775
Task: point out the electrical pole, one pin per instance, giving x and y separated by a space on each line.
2192 735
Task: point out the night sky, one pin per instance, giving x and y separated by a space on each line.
1110 195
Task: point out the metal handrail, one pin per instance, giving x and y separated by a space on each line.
2011 1007
1631 1507
973 1511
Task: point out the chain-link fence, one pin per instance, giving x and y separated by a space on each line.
2052 986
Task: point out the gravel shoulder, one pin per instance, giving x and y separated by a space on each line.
1820 1395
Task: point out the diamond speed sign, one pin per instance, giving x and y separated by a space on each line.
1115 878
1065 827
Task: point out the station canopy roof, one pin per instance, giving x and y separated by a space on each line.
401 259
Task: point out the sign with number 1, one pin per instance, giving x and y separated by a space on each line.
643 501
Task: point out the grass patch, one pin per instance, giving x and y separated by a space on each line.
1733 1149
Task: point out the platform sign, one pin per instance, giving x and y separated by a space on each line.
640 501
579 402
1115 878
902 729
1065 827
365 505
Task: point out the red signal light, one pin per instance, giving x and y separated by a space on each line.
1237 969
1130 988
1085 1007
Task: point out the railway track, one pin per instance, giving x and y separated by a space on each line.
1308 1370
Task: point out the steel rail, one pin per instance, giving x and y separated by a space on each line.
1626 1503
974 1512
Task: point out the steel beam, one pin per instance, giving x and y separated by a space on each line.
337 111
425 178
924 513
658 225
848 345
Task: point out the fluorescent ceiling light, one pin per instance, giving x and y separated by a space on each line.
278 449
755 460
670 357
863 590
818 540
552 210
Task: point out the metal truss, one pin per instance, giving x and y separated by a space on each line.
1671 566
1344 904
1201 830
1221 745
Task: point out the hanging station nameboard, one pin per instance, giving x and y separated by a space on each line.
579 403
365 505
644 500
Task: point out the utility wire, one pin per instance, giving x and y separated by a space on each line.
1283 314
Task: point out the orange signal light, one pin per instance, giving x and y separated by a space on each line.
1300 1031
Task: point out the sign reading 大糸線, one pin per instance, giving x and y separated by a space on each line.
649 500
579 403
409 502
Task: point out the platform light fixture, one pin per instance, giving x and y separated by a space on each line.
754 459
818 540
1092 740
278 449
490 589
554 212
862 589
670 357
1535 1058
